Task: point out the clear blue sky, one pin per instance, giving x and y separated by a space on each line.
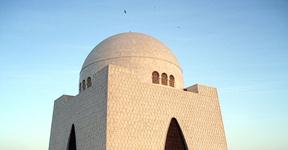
240 47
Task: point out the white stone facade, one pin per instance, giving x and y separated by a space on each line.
87 111
122 111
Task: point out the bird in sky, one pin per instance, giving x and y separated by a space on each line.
125 11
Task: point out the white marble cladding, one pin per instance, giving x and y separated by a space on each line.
122 112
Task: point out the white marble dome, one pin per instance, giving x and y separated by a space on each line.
141 53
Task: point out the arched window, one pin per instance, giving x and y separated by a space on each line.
80 87
83 85
72 140
164 79
171 81
155 77
175 138
89 83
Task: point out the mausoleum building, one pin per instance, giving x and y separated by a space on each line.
132 97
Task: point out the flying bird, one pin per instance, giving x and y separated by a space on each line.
125 12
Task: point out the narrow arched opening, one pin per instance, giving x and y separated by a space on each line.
155 77
175 139
89 82
164 79
72 139
171 81
83 85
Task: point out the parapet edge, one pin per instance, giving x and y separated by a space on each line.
202 90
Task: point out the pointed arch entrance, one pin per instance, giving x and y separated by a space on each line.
72 139
175 139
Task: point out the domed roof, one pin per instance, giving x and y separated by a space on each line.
130 44
136 51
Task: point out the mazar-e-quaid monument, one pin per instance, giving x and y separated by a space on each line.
131 97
